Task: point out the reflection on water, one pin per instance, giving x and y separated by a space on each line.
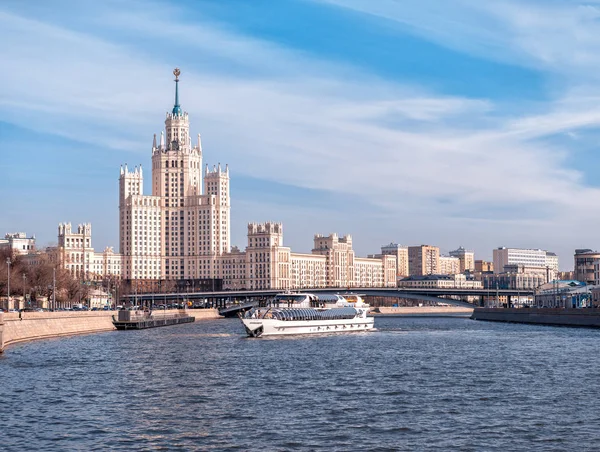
415 384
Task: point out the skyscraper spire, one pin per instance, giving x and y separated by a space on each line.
176 107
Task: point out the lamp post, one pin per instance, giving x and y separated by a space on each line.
25 279
8 262
188 294
54 289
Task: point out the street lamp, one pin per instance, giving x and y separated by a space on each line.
8 262
24 279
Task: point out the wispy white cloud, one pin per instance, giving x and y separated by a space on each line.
560 35
438 164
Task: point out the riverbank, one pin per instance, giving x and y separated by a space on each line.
423 311
589 318
44 325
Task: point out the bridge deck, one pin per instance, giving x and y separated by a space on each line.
434 295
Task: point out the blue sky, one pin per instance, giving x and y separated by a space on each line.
443 122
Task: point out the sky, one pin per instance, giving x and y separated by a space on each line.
443 122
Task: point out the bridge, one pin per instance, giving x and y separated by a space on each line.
222 298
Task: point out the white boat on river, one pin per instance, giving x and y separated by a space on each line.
300 313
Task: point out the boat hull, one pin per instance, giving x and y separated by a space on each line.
273 327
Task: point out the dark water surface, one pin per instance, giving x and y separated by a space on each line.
415 384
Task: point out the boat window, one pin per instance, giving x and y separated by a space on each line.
310 314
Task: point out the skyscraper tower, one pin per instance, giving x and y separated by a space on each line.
188 227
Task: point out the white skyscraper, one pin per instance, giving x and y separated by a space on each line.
180 231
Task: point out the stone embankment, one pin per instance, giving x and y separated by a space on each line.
423 310
42 325
542 316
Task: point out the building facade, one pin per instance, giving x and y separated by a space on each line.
183 228
401 254
565 294
267 264
76 254
423 260
587 263
482 266
449 265
513 281
18 243
526 258
466 258
457 281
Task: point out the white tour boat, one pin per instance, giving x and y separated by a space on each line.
300 313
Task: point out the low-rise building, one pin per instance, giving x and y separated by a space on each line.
99 299
513 281
18 243
564 294
457 281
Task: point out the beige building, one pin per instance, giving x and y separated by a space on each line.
76 254
401 254
183 228
233 269
267 260
466 257
99 299
449 265
267 264
307 270
344 269
457 281
19 243
423 260
587 263
482 266
339 257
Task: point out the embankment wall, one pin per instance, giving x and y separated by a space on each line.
543 316
42 325
424 310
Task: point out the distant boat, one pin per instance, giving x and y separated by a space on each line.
300 313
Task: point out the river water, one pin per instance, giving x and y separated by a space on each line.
414 384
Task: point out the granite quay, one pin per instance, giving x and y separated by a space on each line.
589 318
423 311
27 326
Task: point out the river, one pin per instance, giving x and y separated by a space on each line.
414 384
